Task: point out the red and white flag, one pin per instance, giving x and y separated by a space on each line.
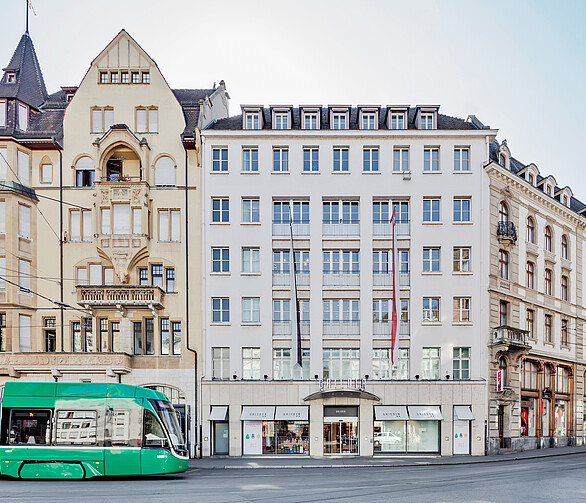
394 341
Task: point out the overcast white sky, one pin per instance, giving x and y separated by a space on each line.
519 66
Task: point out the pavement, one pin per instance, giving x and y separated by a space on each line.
295 461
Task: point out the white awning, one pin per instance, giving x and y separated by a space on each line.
390 413
294 413
257 413
425 413
463 413
219 413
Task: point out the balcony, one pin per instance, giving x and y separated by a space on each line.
511 337
341 328
284 229
403 280
506 232
283 279
341 279
283 329
383 328
127 296
384 229
341 229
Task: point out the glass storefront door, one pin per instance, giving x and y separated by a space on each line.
221 438
341 437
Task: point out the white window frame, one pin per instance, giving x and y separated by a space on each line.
461 161
370 159
220 257
341 359
369 121
46 173
171 219
461 310
219 159
280 159
281 120
432 259
431 159
427 120
24 276
460 264
23 112
339 120
2 113
341 310
250 260
221 212
251 363
282 365
462 212
24 221
431 363
251 310
433 214
312 118
401 160
220 305
398 119
458 358
250 210
341 160
80 225
312 161
250 159
102 118
221 363
252 120
431 309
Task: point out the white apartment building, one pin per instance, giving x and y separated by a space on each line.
340 172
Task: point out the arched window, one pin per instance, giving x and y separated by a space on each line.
503 212
164 171
502 160
530 275
547 243
530 230
84 172
564 247
503 367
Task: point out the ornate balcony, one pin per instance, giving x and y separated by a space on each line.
147 297
509 336
506 232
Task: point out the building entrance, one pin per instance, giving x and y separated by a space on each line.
341 437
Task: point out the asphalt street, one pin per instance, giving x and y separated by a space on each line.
552 479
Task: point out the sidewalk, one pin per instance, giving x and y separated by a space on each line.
279 462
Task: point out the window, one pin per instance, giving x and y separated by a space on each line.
220 363
165 335
106 220
282 213
281 120
380 311
503 313
219 159
281 311
331 212
562 380
547 236
121 219
503 212
461 159
24 221
170 225
370 159
426 121
282 365
341 363
461 363
165 172
147 120
3 161
280 159
146 77
124 77
102 119
564 247
82 335
220 210
529 375
431 210
114 77
430 363
431 260
431 159
29 426
144 335
310 120
80 225
103 77
49 334
547 282
398 121
310 159
530 230
46 173
250 159
250 310
2 113
143 276
22 117
461 262
136 220
462 309
548 331
339 120
115 336
220 310
345 262
400 159
250 260
530 323
530 275
157 275
250 363
84 172
2 273
381 363
531 179
221 260
250 210
548 190
380 262
23 167
170 280
341 159
431 309
343 310
564 287
24 275
252 120
503 264
564 341
461 210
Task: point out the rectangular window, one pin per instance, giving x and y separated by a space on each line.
250 309
281 120
2 217
341 363
503 313
431 260
347 215
431 159
46 173
115 336
24 333
461 209
381 365
431 210
24 221
461 262
341 311
114 77
220 363
380 262
461 309
170 225
219 159
149 336
398 121
220 310
461 162
170 280
461 363
146 77
124 77
250 260
121 219
400 159
369 120
430 363
3 161
250 363
137 332
49 334
426 121
309 120
252 120
95 272
2 273
548 331
165 336
503 264
3 335
176 337
157 275
135 78
370 159
282 365
22 117
280 159
530 323
250 159
220 210
2 113
24 275
250 210
102 119
80 225
431 309
143 276
310 159
136 221
339 120
103 77
564 341
221 260
341 159
23 167
104 342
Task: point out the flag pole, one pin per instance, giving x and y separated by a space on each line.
394 296
295 345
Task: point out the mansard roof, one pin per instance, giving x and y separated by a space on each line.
29 85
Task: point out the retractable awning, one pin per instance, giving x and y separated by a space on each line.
261 413
390 413
425 413
463 413
219 413
293 413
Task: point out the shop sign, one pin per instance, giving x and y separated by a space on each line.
500 380
325 384
526 404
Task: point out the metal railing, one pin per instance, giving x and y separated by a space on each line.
341 327
282 279
506 230
120 178
340 228
402 228
402 280
283 328
341 279
383 328
283 229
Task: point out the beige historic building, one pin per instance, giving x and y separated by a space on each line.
536 285
99 258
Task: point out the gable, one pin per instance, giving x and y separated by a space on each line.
123 52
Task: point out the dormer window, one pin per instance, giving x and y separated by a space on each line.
565 200
339 120
502 159
548 190
426 121
310 120
10 77
22 117
281 120
531 179
398 120
252 120
2 113
369 120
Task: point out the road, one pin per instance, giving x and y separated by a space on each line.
561 478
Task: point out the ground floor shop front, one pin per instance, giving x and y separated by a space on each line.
380 418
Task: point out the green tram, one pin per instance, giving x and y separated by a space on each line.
79 430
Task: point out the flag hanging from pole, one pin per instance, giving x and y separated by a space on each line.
296 353
394 342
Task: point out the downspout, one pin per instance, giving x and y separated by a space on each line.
60 240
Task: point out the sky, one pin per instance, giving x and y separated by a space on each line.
519 66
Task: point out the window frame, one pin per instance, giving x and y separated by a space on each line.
458 356
250 215
464 264
280 159
431 312
461 309
222 260
250 160
431 160
460 212
310 160
219 160
461 165
223 211
370 160
222 309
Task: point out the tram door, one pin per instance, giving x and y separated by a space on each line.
184 417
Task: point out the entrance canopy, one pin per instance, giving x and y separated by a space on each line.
341 393
463 413
390 413
219 413
261 413
425 413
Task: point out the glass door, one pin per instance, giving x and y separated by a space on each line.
221 438
341 437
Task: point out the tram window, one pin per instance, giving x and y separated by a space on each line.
76 427
30 426
154 436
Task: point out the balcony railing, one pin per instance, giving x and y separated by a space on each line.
506 231
384 229
341 327
136 296
510 336
341 279
283 279
402 280
120 178
344 229
383 328
283 328
283 229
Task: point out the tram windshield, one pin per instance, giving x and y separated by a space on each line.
168 417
